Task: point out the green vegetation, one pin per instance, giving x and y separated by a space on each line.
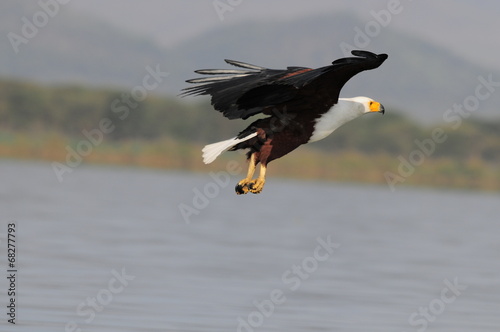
42 122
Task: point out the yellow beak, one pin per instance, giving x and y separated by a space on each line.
376 107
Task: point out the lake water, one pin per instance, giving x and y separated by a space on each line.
108 249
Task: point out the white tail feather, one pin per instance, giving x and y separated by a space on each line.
212 151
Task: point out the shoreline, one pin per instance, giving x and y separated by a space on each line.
305 163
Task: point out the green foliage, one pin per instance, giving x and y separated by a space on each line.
71 110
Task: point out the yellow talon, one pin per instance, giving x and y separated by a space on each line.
247 184
256 185
242 187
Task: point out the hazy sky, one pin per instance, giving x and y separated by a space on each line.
162 18
467 27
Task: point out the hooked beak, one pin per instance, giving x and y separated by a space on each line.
377 107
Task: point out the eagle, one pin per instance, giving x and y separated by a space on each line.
297 105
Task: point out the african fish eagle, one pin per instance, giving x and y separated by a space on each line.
302 106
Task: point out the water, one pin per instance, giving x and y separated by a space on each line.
109 250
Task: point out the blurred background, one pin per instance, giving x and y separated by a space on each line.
102 171
63 66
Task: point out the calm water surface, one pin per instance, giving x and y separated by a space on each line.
109 250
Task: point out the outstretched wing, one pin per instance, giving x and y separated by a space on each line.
241 93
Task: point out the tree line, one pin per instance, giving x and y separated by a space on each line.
69 110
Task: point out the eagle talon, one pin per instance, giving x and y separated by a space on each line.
242 187
256 186
241 190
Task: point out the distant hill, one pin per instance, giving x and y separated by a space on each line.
73 48
420 78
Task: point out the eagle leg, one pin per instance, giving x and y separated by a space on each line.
257 185
244 185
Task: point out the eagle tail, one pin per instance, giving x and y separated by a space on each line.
212 151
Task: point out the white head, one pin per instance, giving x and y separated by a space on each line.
366 105
345 110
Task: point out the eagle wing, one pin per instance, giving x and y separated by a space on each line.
241 93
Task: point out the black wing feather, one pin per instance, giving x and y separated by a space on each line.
241 96
243 93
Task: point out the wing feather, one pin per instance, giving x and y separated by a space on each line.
243 93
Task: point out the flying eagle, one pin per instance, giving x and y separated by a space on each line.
302 106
